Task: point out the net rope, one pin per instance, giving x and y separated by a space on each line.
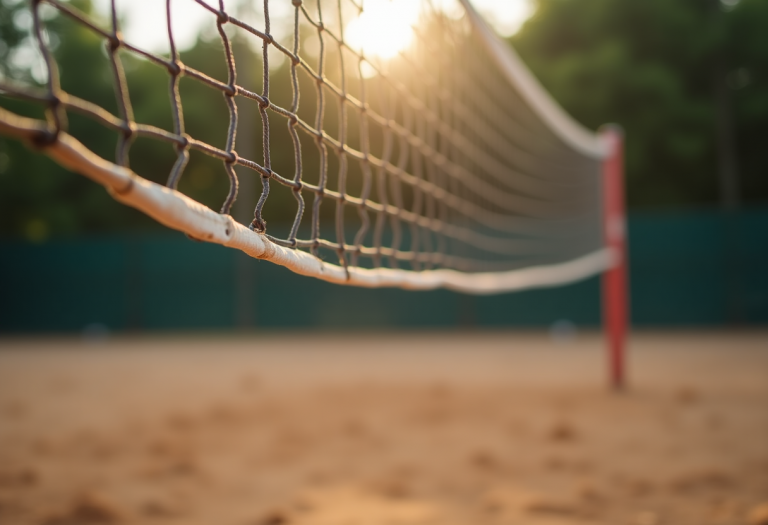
464 174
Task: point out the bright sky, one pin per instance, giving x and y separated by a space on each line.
506 16
384 29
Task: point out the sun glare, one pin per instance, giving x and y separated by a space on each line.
384 28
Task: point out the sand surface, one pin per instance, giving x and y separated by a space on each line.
383 429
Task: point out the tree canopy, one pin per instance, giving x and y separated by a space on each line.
654 66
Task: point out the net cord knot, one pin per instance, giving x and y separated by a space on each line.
258 225
114 41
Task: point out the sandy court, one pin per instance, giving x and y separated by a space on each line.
403 428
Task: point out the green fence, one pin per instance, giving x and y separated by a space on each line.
693 268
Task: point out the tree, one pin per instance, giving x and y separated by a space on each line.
40 198
747 49
650 65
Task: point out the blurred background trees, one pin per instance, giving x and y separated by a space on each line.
38 197
686 79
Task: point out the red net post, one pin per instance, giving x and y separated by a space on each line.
614 284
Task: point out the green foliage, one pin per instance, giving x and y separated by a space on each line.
645 64
650 66
39 198
748 44
15 21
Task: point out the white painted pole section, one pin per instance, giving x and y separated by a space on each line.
520 77
179 212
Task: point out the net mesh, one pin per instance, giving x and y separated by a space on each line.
430 159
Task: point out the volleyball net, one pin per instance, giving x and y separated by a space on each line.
445 165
